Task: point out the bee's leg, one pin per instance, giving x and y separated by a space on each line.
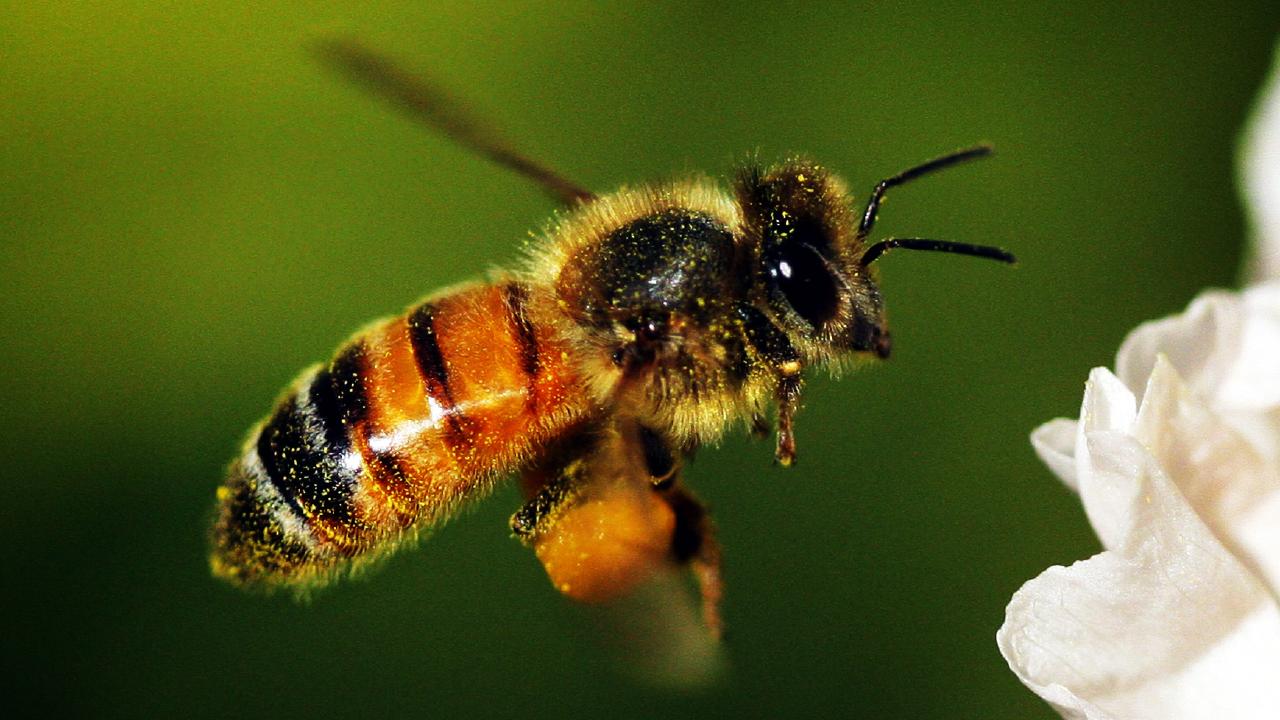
760 427
772 345
660 461
597 517
553 494
788 404
694 544
554 486
693 540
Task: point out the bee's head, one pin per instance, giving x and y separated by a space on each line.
812 261
800 218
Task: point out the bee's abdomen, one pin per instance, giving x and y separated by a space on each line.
412 416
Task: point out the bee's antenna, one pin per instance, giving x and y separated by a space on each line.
983 251
430 104
946 161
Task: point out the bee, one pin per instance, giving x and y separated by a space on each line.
644 324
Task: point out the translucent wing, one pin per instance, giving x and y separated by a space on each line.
430 104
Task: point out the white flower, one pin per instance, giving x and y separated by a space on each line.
1176 458
1260 175
1178 617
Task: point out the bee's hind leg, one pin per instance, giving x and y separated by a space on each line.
606 512
536 511
694 544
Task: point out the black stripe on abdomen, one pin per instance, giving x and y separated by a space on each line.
435 374
307 454
516 296
426 350
338 396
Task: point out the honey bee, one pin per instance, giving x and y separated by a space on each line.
644 324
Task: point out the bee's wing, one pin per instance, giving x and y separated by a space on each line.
614 531
430 104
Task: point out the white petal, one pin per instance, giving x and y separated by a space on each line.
1253 381
1108 406
1055 443
1250 397
1226 347
1201 343
1227 482
1260 168
1168 625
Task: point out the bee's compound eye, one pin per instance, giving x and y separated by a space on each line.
806 282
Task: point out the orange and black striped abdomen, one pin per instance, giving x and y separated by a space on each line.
414 415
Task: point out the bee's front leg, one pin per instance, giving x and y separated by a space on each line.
772 347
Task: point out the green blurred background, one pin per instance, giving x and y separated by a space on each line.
191 210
